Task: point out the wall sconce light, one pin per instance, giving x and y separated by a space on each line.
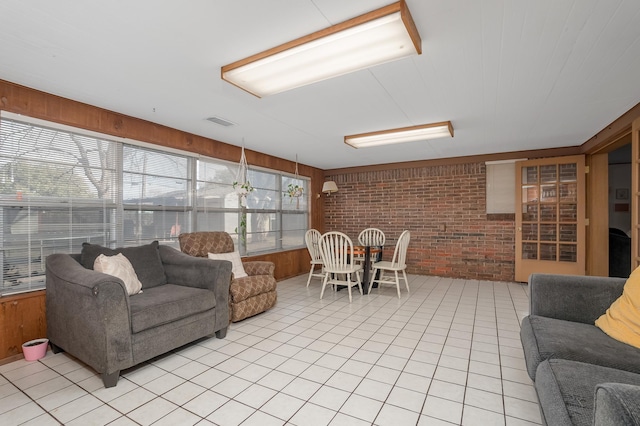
404 134
329 187
380 36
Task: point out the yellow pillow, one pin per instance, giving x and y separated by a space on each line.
622 319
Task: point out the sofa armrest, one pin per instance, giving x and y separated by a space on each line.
88 314
259 267
616 404
201 272
572 297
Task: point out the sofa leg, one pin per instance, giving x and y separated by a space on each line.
222 333
110 380
55 348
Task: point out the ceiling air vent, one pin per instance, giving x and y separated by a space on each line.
221 121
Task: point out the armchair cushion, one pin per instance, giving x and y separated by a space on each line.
251 286
145 260
234 258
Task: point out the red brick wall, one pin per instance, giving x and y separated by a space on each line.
443 206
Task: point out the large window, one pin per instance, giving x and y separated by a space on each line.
60 187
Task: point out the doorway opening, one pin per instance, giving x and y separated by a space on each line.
620 211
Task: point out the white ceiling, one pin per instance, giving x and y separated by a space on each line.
509 74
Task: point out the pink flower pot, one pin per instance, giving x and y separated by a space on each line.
35 349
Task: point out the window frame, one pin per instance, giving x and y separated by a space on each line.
115 210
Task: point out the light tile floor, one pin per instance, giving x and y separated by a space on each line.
449 353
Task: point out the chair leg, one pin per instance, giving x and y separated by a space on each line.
310 275
324 284
359 281
406 281
397 283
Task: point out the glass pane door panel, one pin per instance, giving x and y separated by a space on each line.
530 175
568 172
568 213
568 253
548 213
568 192
530 194
548 174
548 232
530 232
530 213
529 251
547 251
569 233
548 193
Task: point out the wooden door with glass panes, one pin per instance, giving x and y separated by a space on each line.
550 216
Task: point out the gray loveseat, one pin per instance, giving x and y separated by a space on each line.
582 376
91 316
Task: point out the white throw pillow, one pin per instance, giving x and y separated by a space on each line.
234 258
120 267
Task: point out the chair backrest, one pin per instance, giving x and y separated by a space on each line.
400 253
371 237
200 244
312 238
335 249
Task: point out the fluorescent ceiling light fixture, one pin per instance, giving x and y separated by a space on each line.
376 37
404 134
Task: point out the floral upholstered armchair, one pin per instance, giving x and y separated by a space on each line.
248 295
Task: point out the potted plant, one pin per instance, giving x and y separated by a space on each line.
243 189
295 190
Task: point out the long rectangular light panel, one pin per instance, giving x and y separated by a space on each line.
374 38
404 134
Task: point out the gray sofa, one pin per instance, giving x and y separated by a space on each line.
91 316
582 376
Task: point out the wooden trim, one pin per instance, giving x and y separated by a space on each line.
411 27
514 155
614 131
34 103
598 214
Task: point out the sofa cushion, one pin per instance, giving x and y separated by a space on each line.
234 258
120 267
617 404
545 338
622 319
167 303
566 389
244 288
145 260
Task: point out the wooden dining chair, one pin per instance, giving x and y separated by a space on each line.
372 237
312 239
398 264
336 250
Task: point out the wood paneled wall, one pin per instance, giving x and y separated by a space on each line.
22 318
